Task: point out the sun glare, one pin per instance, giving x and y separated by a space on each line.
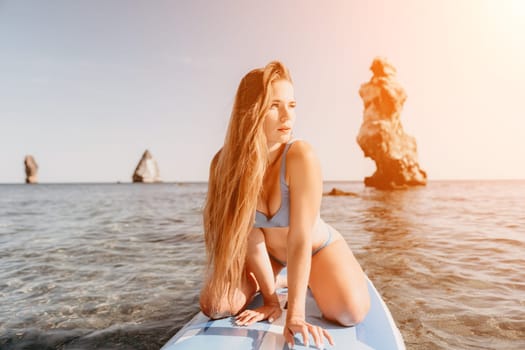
505 24
506 10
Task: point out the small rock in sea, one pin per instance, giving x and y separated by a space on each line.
31 169
147 171
337 192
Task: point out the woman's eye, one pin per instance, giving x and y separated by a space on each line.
274 106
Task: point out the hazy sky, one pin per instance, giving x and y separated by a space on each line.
86 86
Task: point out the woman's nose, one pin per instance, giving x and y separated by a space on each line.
285 114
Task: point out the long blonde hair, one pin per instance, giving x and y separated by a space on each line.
235 181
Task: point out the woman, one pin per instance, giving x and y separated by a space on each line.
262 213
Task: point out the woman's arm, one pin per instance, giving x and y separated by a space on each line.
258 263
305 184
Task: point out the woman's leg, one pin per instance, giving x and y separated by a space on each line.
338 284
258 263
216 309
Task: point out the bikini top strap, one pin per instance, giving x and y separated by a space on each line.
283 161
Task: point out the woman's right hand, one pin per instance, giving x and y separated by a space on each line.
270 312
299 325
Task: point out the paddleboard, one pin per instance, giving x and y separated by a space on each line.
377 331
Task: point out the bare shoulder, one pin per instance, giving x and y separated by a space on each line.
301 151
302 158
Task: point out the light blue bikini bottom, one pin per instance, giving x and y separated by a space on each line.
315 251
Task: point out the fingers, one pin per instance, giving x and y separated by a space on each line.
247 317
328 336
288 337
274 315
304 334
318 335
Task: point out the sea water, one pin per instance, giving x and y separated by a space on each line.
119 266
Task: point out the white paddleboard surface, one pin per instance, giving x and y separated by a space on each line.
378 330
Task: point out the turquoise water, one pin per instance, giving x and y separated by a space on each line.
118 266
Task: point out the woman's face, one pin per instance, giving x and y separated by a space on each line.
280 118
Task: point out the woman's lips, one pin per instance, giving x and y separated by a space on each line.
284 129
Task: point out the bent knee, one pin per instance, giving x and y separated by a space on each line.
351 317
352 313
216 310
216 314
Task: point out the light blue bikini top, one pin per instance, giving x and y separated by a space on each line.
282 217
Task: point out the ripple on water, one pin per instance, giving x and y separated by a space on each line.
120 266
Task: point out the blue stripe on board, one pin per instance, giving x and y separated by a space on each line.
227 327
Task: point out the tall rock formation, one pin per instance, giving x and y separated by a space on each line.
31 169
382 137
147 170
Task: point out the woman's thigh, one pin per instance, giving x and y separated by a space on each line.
339 284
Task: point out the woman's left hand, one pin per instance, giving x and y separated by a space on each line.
270 312
299 325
